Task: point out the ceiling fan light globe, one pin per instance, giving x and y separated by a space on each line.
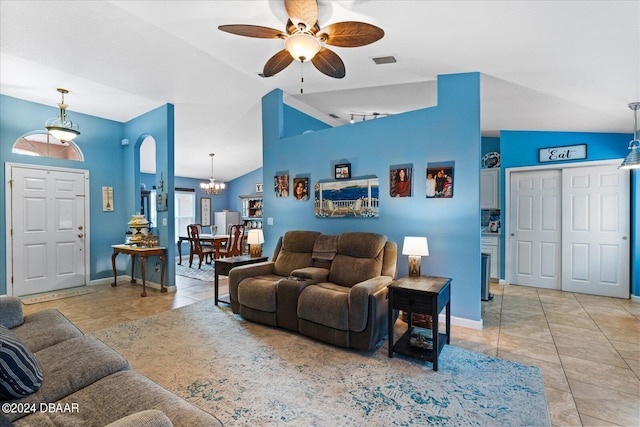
302 46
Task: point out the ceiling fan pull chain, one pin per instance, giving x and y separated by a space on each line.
301 76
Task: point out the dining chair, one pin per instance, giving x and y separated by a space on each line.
235 242
203 251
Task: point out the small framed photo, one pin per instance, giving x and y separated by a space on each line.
259 188
343 171
161 202
400 181
281 185
301 188
440 180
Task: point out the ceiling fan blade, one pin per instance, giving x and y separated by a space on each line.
350 34
277 63
302 11
329 63
253 31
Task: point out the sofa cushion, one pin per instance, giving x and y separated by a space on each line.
119 395
44 329
72 365
325 304
259 292
148 418
359 258
11 314
20 372
296 251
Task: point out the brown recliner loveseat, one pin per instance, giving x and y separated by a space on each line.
331 288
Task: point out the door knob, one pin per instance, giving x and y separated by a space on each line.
79 227
80 235
624 237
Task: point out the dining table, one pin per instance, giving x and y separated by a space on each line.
215 239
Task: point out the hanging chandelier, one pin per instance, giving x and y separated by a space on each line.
212 187
62 127
632 161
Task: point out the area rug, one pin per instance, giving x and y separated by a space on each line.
204 273
248 374
54 295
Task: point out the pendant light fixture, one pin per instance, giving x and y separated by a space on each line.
632 161
212 187
62 127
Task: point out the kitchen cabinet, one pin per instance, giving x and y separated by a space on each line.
252 210
490 188
491 245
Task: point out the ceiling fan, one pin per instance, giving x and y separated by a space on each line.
303 39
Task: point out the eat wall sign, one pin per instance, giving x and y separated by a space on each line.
562 154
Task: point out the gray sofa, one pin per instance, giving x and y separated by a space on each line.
88 383
331 288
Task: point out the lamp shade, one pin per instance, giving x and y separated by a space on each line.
255 237
415 246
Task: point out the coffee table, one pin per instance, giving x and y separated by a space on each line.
222 266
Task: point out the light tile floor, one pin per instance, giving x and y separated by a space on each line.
587 347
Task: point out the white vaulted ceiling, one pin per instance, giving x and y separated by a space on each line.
546 65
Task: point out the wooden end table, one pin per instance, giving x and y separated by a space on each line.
222 266
143 253
423 295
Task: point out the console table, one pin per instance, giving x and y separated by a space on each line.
423 295
222 266
143 253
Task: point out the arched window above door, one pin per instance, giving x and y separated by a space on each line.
42 144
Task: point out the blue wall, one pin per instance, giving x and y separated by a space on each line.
448 132
109 164
520 148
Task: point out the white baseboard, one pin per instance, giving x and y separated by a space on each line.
461 321
635 298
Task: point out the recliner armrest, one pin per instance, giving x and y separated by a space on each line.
11 314
316 274
359 300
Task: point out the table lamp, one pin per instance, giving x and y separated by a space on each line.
416 248
255 240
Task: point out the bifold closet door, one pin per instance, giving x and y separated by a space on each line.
596 230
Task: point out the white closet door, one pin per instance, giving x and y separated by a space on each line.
535 228
596 230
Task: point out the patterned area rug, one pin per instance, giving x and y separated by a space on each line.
204 273
54 295
249 374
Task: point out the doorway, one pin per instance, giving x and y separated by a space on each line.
46 220
568 228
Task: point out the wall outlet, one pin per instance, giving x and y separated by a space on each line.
164 222
269 221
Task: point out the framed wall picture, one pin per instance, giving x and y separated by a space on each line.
343 171
107 199
281 185
353 198
161 202
301 188
259 188
400 184
205 211
440 180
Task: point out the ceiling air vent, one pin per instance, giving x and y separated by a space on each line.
384 60
334 116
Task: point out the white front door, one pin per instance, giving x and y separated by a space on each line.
535 228
47 223
596 231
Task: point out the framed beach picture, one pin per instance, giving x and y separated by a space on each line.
400 181
349 198
440 180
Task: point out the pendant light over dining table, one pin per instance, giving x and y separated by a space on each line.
212 187
61 127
